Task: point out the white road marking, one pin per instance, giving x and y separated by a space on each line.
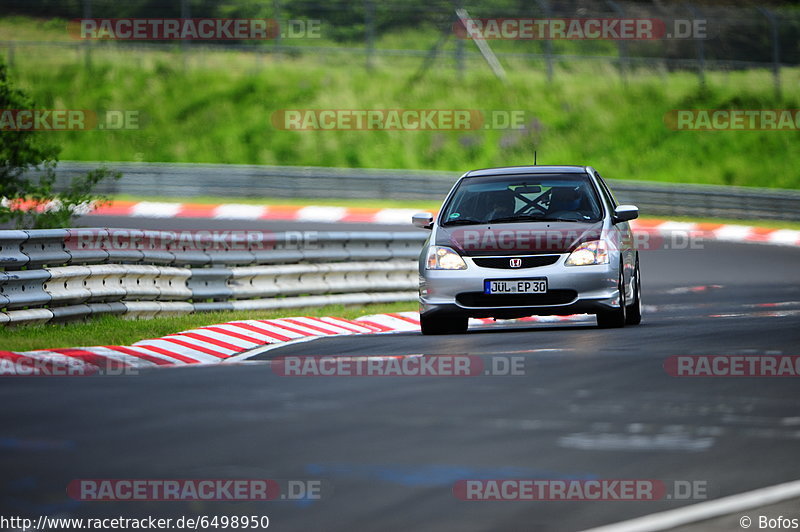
785 237
238 211
314 213
394 216
153 209
735 504
733 233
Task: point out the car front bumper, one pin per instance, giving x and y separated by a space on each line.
587 289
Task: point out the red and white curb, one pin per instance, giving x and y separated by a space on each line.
234 211
329 214
214 344
720 232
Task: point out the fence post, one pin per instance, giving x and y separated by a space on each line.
369 29
484 48
548 44
276 10
701 49
185 13
776 50
459 4
87 45
621 44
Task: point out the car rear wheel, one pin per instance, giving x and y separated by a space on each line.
443 324
611 319
634 312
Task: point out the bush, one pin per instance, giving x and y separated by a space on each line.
27 174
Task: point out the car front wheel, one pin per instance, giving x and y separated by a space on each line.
614 318
634 312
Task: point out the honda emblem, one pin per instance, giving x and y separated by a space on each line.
515 263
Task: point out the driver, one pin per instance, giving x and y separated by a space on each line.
564 200
499 204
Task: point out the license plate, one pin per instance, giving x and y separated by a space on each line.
515 286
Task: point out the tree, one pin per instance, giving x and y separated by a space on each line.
28 196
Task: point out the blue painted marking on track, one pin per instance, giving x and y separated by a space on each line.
433 475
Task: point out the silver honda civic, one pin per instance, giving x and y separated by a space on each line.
528 240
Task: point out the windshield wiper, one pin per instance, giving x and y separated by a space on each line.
560 220
462 221
511 219
508 219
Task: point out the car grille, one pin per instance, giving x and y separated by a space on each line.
503 263
552 297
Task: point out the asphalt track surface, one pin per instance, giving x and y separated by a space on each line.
592 404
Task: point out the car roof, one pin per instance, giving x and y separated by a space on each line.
531 169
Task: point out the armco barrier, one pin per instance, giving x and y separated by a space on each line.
27 317
46 246
106 282
210 284
185 180
25 288
68 285
11 255
65 275
270 281
81 253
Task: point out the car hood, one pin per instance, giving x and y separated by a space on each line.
525 238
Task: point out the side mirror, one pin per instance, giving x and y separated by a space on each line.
624 213
423 220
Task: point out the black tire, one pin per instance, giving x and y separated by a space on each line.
634 312
615 318
443 324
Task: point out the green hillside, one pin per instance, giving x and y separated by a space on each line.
216 107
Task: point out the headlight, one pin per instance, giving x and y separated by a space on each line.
594 252
444 258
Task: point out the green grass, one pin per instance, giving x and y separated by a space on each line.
216 107
113 330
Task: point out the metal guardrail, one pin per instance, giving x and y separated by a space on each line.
187 180
57 276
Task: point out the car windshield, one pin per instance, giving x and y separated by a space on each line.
509 199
